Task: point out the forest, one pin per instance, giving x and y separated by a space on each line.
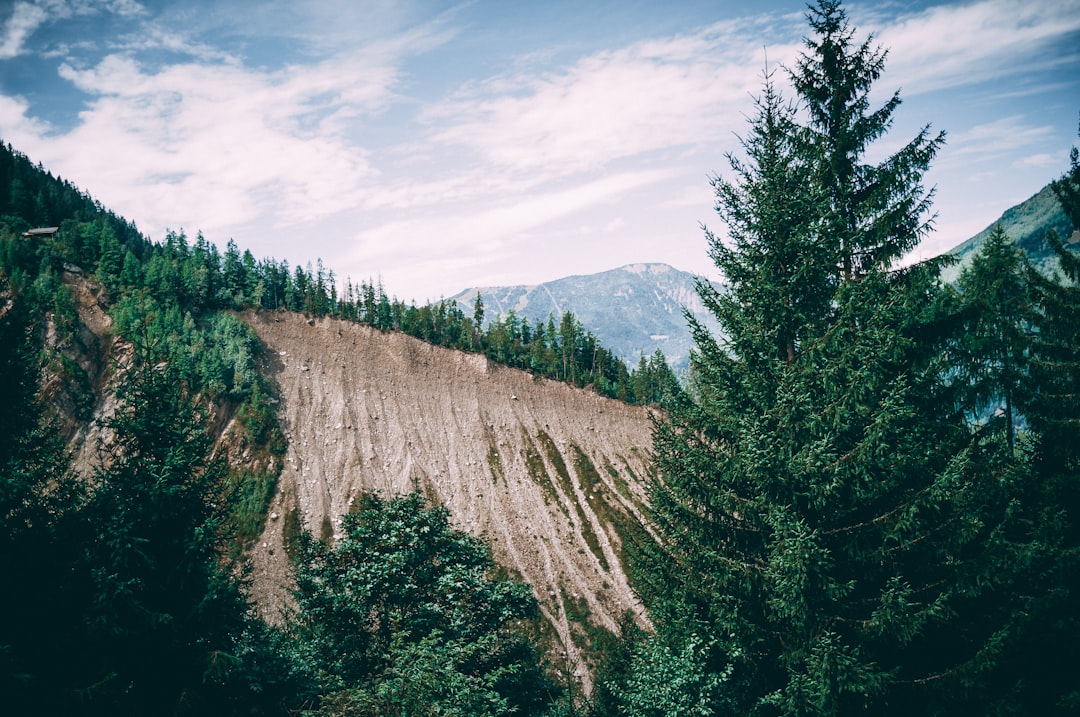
866 496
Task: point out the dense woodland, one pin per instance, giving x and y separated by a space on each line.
867 491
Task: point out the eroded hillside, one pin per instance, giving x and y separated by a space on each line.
549 474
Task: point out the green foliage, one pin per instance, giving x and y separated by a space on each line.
992 351
834 536
402 610
40 536
653 381
675 680
250 495
1040 670
259 418
164 608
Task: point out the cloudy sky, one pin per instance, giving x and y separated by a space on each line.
440 145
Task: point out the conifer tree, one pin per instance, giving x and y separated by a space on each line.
166 611
834 537
993 349
1048 658
40 532
1055 381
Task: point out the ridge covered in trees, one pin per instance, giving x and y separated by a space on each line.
186 281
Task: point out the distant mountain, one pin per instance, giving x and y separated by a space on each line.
634 309
1026 223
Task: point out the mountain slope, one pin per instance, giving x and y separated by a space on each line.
550 474
634 309
1026 223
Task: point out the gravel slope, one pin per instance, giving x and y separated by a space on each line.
550 475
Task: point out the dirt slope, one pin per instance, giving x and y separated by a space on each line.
549 474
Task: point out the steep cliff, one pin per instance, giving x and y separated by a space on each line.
550 475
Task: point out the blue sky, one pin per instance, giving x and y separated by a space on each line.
442 145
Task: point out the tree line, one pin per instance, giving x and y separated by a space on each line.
193 279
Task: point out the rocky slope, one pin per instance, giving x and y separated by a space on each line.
550 475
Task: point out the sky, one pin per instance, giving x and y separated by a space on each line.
435 146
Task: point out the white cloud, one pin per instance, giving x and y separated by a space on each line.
25 19
1041 160
951 45
489 169
992 139
213 145
492 228
17 127
650 96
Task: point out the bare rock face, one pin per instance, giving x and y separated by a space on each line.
550 475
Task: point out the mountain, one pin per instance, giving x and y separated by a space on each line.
1027 224
550 475
636 309
632 310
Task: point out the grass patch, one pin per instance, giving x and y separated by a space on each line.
250 495
593 641
494 460
291 530
567 485
534 464
620 483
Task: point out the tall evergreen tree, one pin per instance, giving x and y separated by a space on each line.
833 535
40 533
993 349
166 612
1050 659
1055 388
874 213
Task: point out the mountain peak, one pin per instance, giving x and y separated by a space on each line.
633 309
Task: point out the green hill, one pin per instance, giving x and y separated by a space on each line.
1027 224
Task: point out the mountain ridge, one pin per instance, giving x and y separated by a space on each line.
633 309
606 304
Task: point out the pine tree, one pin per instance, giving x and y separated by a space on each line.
993 348
1048 658
166 610
834 537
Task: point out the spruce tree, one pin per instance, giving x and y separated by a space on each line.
992 352
165 610
40 531
1053 407
1046 664
834 537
